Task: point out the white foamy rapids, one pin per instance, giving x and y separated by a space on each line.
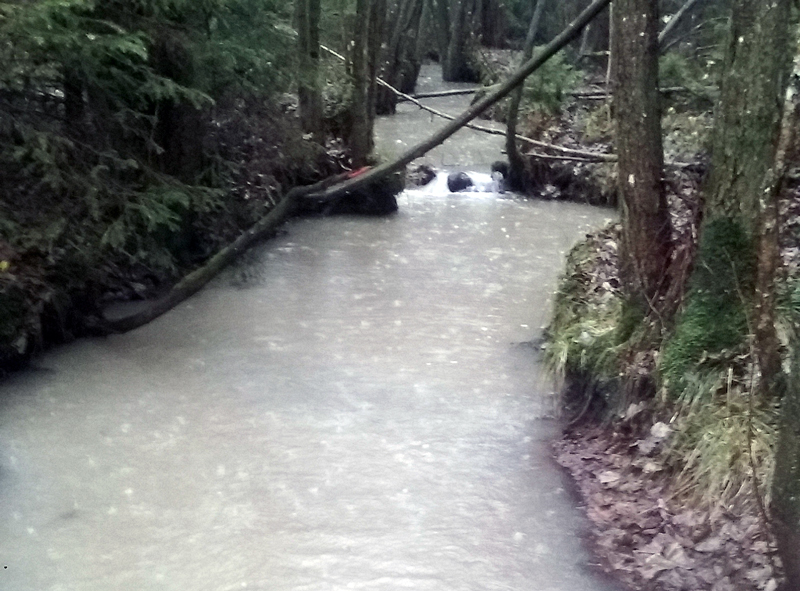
482 183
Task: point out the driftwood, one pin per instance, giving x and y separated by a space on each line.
336 187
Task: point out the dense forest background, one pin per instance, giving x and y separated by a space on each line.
140 137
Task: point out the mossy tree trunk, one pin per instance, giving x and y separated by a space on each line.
645 245
516 165
731 290
307 17
746 131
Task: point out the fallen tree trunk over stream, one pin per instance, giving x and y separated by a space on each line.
339 185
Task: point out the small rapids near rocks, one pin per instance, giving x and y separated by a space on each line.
354 406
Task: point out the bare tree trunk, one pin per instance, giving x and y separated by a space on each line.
307 16
584 50
377 18
455 67
400 54
179 127
786 483
676 19
441 10
359 139
516 165
645 245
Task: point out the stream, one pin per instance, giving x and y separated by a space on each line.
354 405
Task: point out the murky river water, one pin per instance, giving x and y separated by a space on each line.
352 408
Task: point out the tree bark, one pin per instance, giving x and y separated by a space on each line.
455 67
646 233
766 343
180 126
307 17
745 175
441 10
748 119
400 62
786 483
377 18
515 164
360 136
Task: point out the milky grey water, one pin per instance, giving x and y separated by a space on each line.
354 406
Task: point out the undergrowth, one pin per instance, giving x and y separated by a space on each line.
583 337
722 435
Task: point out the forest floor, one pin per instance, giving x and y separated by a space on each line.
648 529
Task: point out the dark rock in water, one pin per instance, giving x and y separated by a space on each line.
377 198
500 175
501 167
420 174
458 181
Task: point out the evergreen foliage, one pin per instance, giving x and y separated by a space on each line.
90 97
546 90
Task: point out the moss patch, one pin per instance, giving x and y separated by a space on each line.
715 317
583 338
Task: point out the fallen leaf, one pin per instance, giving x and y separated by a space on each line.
609 476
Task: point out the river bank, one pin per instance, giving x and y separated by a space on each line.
53 292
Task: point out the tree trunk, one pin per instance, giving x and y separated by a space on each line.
786 483
745 138
455 67
400 69
360 136
645 245
377 18
748 119
766 343
515 164
490 23
307 16
676 19
179 126
410 60
441 10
